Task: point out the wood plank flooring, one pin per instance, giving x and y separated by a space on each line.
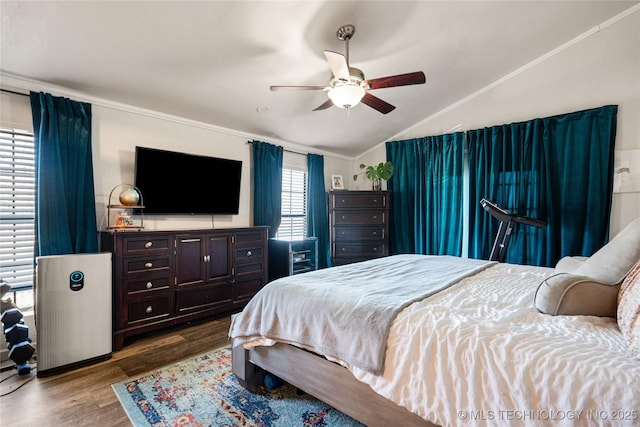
84 397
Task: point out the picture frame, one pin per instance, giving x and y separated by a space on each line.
337 182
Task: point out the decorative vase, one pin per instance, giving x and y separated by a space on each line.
129 197
377 184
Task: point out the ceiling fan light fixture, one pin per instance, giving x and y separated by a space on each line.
348 86
346 96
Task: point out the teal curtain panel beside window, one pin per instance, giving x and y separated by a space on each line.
427 195
267 185
317 211
65 196
559 169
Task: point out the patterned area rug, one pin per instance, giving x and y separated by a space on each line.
202 391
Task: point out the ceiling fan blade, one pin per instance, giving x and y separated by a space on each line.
338 64
377 104
399 80
326 104
275 88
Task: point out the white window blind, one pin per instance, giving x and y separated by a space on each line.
294 205
17 208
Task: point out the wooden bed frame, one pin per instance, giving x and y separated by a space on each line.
325 380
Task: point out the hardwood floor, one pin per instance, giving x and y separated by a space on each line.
84 397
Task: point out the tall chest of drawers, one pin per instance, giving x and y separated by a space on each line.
359 222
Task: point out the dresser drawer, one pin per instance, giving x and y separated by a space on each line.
370 250
245 289
148 284
143 245
359 218
145 265
357 200
360 233
243 270
248 255
202 298
252 238
149 309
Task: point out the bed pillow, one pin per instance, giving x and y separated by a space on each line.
572 294
629 309
614 260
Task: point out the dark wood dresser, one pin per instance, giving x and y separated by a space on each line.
359 222
162 278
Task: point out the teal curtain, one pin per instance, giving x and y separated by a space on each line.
559 169
317 212
426 188
267 185
65 197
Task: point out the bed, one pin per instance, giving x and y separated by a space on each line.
474 351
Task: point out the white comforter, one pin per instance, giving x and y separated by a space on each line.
346 312
479 353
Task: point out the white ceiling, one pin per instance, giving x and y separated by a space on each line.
213 61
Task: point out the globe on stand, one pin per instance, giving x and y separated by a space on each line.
129 197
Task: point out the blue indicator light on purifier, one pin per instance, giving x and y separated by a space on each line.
76 280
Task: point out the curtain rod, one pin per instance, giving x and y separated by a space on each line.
294 152
284 149
14 92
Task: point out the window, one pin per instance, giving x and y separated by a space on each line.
294 205
17 211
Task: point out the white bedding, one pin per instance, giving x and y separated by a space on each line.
346 312
485 356
479 353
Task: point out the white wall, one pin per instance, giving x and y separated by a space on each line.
597 69
601 67
117 129
117 132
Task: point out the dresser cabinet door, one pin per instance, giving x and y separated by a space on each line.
190 259
219 261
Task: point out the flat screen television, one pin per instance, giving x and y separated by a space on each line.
187 184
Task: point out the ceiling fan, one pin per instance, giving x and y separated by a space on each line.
348 87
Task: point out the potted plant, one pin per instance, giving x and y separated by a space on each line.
375 174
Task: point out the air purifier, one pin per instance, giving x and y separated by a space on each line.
72 311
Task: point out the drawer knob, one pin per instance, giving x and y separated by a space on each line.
148 245
149 285
375 249
375 217
149 309
375 200
342 217
375 233
343 249
148 264
249 253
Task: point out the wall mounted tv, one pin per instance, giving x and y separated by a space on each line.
187 184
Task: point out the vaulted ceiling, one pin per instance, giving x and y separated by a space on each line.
213 61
